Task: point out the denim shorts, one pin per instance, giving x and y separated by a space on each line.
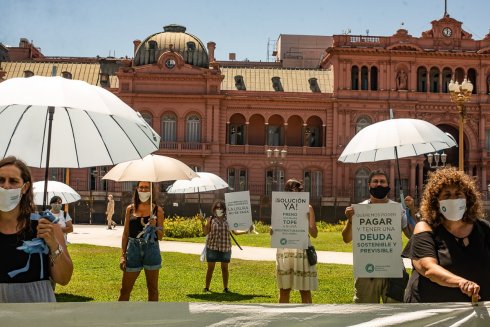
141 254
217 256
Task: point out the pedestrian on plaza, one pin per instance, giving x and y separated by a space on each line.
218 243
143 228
450 249
25 275
64 219
110 212
374 290
293 271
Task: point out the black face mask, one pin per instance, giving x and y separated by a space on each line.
380 192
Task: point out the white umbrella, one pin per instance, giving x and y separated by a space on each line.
65 192
394 138
152 168
89 125
203 183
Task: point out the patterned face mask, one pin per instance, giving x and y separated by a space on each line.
453 209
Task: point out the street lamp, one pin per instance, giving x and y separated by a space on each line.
459 95
436 157
276 158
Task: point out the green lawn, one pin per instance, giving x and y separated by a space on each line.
97 278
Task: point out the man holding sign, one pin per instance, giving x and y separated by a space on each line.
375 231
293 219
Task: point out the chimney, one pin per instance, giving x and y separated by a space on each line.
24 43
211 48
232 56
136 44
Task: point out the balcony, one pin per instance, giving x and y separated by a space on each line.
260 149
185 148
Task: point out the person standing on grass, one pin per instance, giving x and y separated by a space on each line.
218 243
293 271
372 290
143 228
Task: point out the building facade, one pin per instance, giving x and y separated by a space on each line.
257 124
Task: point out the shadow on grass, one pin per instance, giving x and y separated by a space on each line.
225 297
66 297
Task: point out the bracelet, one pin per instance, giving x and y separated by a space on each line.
55 254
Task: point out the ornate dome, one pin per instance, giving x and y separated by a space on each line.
173 38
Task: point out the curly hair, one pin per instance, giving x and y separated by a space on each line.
442 178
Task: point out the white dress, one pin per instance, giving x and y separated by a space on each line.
294 272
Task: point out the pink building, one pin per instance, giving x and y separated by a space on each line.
223 116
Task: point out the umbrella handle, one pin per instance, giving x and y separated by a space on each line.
48 150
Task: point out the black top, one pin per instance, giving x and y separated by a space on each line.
136 224
13 259
471 262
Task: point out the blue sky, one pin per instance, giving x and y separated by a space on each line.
99 27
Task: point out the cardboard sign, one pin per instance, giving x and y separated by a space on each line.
289 220
376 240
238 210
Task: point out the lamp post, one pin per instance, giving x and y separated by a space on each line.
276 158
459 95
435 158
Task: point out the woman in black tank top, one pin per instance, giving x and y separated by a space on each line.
143 228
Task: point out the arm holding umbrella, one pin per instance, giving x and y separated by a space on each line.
61 267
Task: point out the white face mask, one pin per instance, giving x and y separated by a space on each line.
219 213
56 206
453 209
9 198
144 196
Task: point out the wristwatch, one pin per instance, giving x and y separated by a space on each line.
55 254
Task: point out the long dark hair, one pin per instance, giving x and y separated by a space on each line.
26 204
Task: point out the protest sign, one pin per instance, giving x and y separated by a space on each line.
289 220
238 210
376 238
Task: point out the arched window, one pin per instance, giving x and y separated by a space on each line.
312 182
473 78
355 78
364 78
459 75
66 75
361 190
237 133
148 118
434 80
28 73
374 78
169 127
446 79
362 122
421 79
237 179
274 180
193 129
